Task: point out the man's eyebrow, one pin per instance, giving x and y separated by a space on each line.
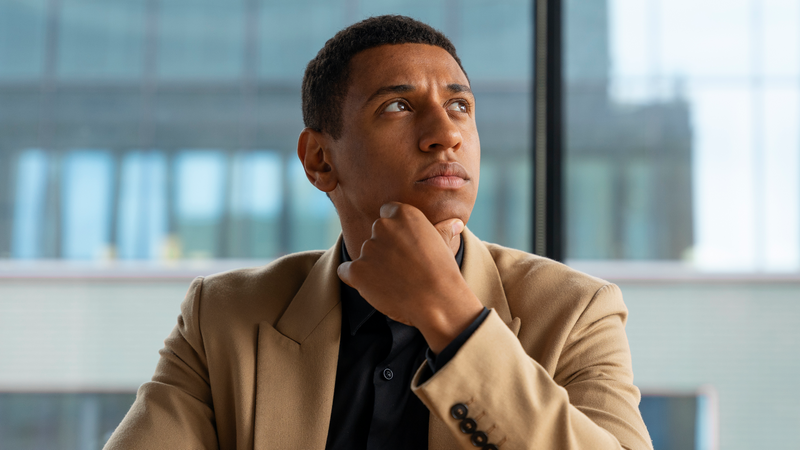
397 89
456 88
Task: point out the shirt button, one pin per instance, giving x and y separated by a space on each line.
388 374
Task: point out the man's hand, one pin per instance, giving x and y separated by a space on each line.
407 271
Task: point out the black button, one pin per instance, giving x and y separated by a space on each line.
479 439
388 374
489 447
468 426
459 411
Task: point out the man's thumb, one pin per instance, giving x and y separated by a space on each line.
344 273
449 229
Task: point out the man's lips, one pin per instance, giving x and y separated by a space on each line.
445 175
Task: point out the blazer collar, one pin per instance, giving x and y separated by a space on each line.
318 295
480 273
296 363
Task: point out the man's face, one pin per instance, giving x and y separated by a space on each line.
408 135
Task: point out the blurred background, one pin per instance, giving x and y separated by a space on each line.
146 142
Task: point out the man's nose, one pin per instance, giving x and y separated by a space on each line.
439 131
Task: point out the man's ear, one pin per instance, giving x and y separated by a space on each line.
315 157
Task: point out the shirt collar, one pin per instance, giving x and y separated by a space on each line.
357 310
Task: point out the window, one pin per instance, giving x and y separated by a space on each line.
146 142
682 185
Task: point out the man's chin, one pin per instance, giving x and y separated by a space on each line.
440 213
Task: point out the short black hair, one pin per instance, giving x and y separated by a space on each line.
325 82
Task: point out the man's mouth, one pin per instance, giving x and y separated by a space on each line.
450 175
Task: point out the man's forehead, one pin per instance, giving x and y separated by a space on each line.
406 66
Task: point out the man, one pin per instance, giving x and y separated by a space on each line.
386 340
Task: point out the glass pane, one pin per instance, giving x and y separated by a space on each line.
22 39
201 39
142 227
101 39
682 179
63 421
148 197
87 202
277 25
30 189
154 141
681 135
495 40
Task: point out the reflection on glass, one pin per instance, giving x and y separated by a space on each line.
682 146
142 225
200 180
136 134
145 196
695 114
63 421
22 37
86 204
201 39
101 39
29 204
321 19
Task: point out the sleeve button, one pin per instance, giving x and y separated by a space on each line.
468 426
459 411
479 439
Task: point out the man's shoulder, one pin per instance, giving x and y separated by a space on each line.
553 301
261 292
531 279
514 264
284 268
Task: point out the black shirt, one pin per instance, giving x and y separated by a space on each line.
373 406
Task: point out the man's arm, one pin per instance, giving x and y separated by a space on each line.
591 403
174 410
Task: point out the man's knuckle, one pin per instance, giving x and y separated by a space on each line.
379 225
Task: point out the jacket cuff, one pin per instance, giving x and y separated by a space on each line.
464 379
436 362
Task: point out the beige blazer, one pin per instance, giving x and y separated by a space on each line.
252 361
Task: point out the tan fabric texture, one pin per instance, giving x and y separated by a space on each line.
252 361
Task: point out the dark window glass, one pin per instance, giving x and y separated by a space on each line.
101 39
22 39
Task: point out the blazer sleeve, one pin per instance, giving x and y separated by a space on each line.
174 409
590 402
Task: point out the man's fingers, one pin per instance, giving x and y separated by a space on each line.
449 229
344 273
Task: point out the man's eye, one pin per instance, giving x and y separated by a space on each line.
396 107
458 106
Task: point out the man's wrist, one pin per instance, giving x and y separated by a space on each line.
439 328
436 362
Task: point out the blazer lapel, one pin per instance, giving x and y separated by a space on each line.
296 367
480 273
